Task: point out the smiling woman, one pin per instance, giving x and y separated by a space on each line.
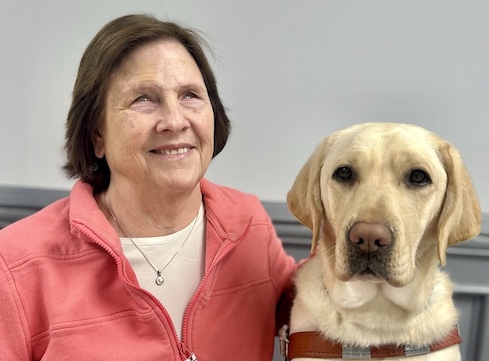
159 254
157 134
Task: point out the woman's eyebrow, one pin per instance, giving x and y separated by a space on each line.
140 86
181 85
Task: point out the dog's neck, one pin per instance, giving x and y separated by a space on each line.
356 294
381 301
377 295
364 304
378 312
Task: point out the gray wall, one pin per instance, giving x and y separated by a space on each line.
290 72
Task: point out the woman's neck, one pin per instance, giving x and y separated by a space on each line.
149 214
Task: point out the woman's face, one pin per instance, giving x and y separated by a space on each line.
158 129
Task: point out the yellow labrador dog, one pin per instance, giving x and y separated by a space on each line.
384 201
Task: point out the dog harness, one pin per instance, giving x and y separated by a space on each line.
314 345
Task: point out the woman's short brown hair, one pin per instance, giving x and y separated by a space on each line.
104 53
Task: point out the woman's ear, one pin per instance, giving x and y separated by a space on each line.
98 144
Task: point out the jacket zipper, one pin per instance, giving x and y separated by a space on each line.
119 270
223 253
184 351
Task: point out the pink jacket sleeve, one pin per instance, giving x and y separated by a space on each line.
14 344
282 269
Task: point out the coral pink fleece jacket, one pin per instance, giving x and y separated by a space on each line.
67 292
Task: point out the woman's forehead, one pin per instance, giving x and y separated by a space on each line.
160 62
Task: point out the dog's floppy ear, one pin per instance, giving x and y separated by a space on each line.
460 217
304 198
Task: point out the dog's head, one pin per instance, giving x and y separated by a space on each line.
377 194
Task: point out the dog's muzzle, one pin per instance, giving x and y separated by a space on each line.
369 249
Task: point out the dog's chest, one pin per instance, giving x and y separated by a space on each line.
315 309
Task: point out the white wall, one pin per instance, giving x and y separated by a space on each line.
290 72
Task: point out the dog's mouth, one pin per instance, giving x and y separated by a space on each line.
376 275
369 274
369 266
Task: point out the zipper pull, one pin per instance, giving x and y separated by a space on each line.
190 356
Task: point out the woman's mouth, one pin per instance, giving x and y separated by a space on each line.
171 151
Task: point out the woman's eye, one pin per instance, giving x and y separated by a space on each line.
343 173
142 98
190 96
144 103
419 177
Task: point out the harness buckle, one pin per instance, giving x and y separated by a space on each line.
284 341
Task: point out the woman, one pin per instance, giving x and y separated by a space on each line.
146 259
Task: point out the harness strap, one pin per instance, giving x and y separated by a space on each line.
314 345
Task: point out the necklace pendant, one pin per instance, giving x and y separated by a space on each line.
159 279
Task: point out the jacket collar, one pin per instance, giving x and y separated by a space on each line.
87 218
226 213
228 220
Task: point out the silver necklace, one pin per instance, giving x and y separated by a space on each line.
159 278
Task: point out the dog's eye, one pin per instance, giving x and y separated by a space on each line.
419 177
343 173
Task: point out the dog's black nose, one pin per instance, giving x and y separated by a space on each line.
370 237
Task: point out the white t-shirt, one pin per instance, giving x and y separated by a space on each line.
183 273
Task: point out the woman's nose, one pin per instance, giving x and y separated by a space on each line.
172 118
